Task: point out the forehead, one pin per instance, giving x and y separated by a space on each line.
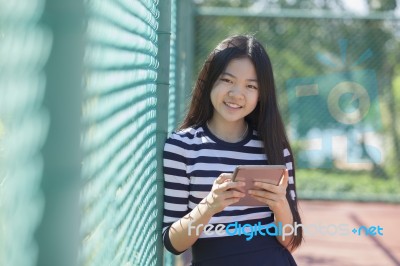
241 68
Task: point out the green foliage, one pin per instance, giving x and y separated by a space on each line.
358 185
296 45
223 3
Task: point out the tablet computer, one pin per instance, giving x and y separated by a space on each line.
271 174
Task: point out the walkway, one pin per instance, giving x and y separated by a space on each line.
332 243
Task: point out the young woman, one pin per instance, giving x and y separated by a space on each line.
233 120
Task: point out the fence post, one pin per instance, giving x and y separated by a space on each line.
184 65
164 34
58 232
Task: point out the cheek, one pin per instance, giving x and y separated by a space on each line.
255 98
213 97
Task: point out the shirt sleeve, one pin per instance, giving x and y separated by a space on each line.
176 187
290 167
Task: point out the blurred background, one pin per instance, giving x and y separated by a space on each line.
89 90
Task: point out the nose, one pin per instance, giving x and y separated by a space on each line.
235 92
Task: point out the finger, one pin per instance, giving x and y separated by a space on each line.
222 178
230 185
285 179
270 188
240 189
234 194
263 200
231 201
266 186
233 185
263 194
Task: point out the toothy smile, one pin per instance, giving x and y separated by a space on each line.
232 105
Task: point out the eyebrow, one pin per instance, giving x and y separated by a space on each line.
233 76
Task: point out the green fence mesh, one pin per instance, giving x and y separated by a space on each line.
25 44
338 79
43 46
119 115
337 73
168 257
172 70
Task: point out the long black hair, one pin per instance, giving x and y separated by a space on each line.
265 118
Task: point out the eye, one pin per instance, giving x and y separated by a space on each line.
252 87
226 80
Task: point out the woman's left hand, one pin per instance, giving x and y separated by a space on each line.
272 195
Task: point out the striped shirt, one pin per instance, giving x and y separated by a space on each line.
193 159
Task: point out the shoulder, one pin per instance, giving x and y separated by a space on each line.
184 137
189 132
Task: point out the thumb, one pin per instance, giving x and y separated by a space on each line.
224 177
285 178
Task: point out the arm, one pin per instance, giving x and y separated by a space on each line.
184 232
179 228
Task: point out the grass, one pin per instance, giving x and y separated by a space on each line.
345 185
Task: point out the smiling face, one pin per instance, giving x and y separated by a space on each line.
235 93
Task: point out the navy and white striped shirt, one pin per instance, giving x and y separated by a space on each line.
193 159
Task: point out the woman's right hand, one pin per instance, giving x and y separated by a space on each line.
224 192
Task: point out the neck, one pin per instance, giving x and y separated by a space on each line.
229 133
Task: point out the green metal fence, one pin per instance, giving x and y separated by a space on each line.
119 115
25 45
337 72
88 93
90 89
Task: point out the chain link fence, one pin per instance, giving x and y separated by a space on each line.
89 90
338 81
84 113
119 140
25 45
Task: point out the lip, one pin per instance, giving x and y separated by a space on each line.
233 105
